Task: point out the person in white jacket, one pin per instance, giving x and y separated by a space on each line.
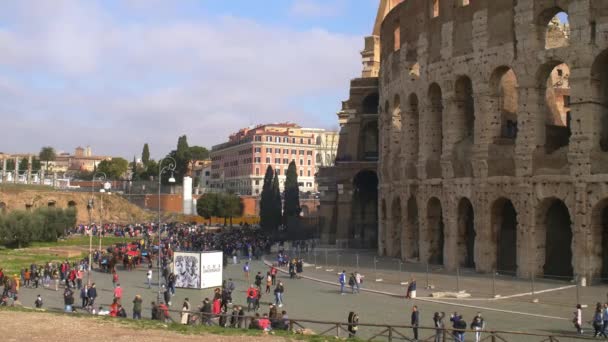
578 319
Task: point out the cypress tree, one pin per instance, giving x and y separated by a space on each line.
266 201
145 155
276 201
291 193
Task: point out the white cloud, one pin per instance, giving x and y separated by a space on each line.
78 75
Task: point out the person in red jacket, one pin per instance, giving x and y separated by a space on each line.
216 310
273 274
252 295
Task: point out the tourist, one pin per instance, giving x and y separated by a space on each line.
358 281
438 323
234 316
251 296
273 274
185 319
415 321
241 316
258 280
342 280
578 319
38 302
278 294
268 282
598 321
478 324
246 271
92 294
118 292
230 287
102 312
149 276
459 325
68 299
137 304
264 323
605 318
121 312
163 310
351 283
205 310
166 294
155 315
84 297
353 324
411 289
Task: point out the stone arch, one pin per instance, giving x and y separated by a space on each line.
554 238
411 234
364 213
599 230
504 232
598 113
435 231
411 129
554 127
370 104
71 204
394 233
51 204
466 234
395 140
368 141
554 27
434 131
464 122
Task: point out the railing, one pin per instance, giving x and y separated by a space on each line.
367 331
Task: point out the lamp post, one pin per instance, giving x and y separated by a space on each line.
106 188
101 177
161 169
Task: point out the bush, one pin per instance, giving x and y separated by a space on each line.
20 228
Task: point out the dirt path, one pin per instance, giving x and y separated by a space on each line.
25 326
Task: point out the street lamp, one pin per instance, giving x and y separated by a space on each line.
169 167
106 188
101 176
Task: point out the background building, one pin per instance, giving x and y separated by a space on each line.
239 164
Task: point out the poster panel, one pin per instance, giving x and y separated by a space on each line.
211 269
187 269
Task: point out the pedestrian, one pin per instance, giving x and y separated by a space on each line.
206 312
358 281
38 302
186 312
137 303
84 297
114 278
149 276
246 271
411 289
258 280
92 293
351 283
438 323
68 299
278 294
166 295
605 318
235 259
230 288
342 281
478 324
273 274
598 321
578 319
118 292
251 297
268 282
415 321
353 324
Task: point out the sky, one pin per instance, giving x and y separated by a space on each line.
115 74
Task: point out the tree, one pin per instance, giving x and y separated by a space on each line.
145 154
23 164
134 175
36 164
277 213
115 168
267 201
206 206
292 193
197 153
222 205
182 158
47 154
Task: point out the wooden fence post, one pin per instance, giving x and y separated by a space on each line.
338 329
390 333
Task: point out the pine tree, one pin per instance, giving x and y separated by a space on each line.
145 155
277 204
291 193
266 201
182 158
134 175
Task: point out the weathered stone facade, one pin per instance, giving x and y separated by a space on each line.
478 168
493 133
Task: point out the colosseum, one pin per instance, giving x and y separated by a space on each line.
492 138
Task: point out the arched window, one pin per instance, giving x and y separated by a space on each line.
556 25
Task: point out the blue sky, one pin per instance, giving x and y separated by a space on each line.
115 74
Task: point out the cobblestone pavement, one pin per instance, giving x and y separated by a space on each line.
316 300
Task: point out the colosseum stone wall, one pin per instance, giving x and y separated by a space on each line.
493 133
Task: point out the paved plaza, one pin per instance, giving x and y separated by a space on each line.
319 299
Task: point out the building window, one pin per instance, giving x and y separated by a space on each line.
294 151
269 139
285 140
277 150
257 160
308 173
285 151
277 160
267 160
278 139
309 162
309 141
257 182
257 171
301 173
309 153
301 152
293 140
301 161
285 161
268 150
397 37
257 149
257 138
434 8
278 171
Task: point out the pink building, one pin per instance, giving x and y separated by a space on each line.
239 165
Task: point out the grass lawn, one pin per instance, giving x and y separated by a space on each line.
13 260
